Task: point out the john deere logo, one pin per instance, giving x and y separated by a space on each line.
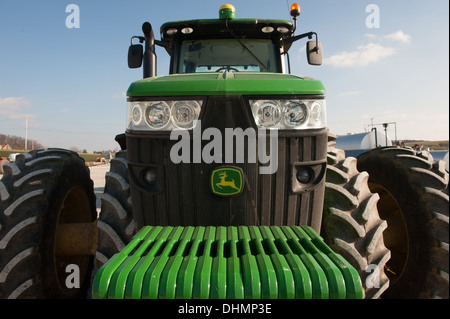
227 181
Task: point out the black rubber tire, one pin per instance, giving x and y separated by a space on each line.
414 200
351 225
116 223
40 190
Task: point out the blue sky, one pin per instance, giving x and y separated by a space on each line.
70 83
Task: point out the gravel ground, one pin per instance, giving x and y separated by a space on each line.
98 176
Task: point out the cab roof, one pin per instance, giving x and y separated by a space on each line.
217 28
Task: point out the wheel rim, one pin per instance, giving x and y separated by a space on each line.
74 210
395 236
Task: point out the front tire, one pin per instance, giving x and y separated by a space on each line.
116 223
351 225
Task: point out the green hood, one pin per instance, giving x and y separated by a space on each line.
227 83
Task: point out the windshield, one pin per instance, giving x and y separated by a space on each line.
246 55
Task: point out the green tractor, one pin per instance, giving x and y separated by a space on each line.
227 185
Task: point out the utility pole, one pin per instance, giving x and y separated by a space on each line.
26 133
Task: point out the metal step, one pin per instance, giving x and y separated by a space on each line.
243 262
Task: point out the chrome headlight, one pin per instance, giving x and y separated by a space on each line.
136 114
289 114
266 113
163 115
157 115
295 113
184 113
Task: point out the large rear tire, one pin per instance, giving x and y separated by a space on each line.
414 200
43 195
351 225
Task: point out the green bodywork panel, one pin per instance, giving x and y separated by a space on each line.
269 262
225 83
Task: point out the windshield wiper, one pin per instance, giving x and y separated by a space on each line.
261 64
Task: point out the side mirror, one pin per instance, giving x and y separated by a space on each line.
135 54
314 52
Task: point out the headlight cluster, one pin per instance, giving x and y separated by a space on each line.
163 115
289 114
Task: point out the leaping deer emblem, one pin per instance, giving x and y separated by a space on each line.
223 182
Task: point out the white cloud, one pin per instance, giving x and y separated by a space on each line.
363 56
370 35
8 104
13 108
369 53
399 36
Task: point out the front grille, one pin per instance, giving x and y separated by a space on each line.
183 196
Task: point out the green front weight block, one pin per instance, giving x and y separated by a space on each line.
243 262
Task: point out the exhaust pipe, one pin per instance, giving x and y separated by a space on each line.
149 63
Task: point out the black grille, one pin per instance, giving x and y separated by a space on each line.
183 195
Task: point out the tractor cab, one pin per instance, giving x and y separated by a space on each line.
224 44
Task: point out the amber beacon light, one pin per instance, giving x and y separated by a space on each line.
295 10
